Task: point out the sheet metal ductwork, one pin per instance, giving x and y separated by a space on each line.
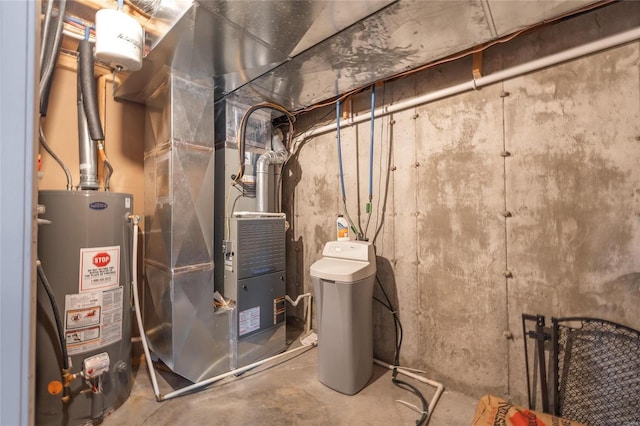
183 328
298 53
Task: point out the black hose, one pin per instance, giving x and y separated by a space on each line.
56 315
88 84
396 357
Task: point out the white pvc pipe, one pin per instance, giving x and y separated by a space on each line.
557 58
295 302
307 323
439 386
212 380
136 302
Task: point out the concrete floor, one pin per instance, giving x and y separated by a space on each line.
284 393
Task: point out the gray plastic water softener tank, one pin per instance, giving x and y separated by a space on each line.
343 284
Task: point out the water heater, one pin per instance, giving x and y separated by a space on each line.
84 246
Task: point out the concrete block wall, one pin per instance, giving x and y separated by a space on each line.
443 182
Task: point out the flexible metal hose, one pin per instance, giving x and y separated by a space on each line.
45 145
50 57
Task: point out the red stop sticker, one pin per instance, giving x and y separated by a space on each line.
101 259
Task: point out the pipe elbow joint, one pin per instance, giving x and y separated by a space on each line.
262 165
271 157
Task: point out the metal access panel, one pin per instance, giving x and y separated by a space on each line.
260 303
254 276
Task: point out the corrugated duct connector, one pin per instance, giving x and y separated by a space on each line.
278 155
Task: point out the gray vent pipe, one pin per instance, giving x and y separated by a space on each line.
278 155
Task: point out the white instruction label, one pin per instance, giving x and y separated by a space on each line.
92 320
249 320
80 318
99 268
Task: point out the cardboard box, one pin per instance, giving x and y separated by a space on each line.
494 411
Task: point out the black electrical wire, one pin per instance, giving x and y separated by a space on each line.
56 315
396 357
389 308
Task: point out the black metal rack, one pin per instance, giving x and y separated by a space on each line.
594 369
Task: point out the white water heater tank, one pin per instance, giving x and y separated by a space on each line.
119 39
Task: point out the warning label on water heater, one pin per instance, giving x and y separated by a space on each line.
99 268
92 320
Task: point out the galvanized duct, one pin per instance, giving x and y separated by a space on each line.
299 56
